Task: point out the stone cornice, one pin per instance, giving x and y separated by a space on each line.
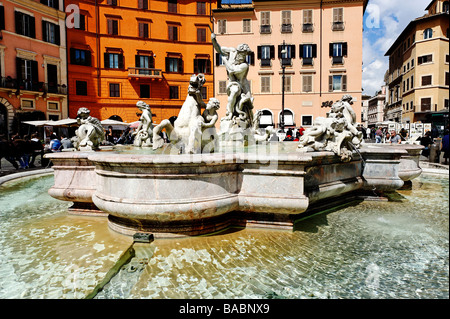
41 8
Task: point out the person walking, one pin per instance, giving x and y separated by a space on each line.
55 143
378 135
37 147
445 148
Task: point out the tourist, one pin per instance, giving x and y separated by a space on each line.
21 149
368 133
378 135
289 136
55 143
403 134
387 138
395 138
426 141
301 130
109 136
445 148
65 142
37 148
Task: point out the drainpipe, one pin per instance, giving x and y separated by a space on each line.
320 67
97 41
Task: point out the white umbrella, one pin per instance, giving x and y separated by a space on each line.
64 122
115 124
36 123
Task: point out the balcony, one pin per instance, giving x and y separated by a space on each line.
51 88
337 60
266 62
286 28
338 26
307 61
18 87
307 27
265 29
144 73
286 62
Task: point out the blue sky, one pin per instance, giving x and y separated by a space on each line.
384 20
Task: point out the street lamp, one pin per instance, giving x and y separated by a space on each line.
283 67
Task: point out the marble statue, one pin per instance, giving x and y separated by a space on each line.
336 132
144 132
90 134
207 124
187 130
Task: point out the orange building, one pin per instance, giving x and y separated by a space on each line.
122 51
32 63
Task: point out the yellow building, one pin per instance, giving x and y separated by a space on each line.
419 69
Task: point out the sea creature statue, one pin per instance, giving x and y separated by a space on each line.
144 132
336 132
90 134
238 122
187 130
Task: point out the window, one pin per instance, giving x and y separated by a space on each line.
142 4
286 25
307 21
112 2
246 25
173 33
265 22
2 17
25 24
144 63
113 60
27 74
143 30
82 22
51 3
50 32
201 8
407 84
338 51
222 25
114 89
307 53
447 79
201 34
338 19
425 104
306 120
265 84
265 54
445 7
28 104
52 78
174 65
53 106
202 66
426 80
288 83
204 91
337 83
144 91
425 59
172 6
428 33
412 63
113 27
447 58
173 94
307 83
222 87
288 55
81 88
412 81
80 57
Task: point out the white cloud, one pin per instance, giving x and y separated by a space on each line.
384 21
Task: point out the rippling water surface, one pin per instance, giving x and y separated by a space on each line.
395 249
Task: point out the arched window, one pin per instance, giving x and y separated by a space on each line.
266 119
288 118
428 33
445 7
116 118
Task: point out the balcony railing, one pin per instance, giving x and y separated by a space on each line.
265 29
55 88
307 27
286 61
28 85
338 60
337 26
266 62
286 28
307 61
145 72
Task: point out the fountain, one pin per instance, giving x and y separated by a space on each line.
196 185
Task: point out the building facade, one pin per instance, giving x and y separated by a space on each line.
319 44
33 65
123 51
418 76
376 108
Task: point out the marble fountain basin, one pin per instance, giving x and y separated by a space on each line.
195 194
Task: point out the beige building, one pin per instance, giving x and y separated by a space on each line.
418 77
376 108
322 41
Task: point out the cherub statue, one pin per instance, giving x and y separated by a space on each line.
207 125
90 134
144 132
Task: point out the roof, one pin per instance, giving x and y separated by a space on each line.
408 28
